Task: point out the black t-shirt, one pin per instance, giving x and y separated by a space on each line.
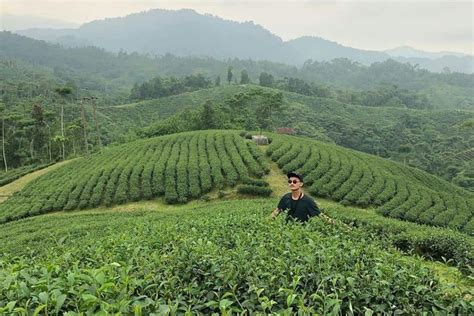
301 209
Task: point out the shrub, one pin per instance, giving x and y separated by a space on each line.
254 190
255 182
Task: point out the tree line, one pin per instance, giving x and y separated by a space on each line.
49 130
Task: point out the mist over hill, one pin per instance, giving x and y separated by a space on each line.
9 22
188 33
409 52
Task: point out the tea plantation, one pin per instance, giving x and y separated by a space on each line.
355 178
179 167
149 240
223 257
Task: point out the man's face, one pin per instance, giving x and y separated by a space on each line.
294 183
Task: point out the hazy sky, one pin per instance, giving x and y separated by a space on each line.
428 25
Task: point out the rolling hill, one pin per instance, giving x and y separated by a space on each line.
178 167
188 33
375 130
359 179
186 166
95 71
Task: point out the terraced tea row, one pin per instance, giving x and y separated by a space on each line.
179 167
359 179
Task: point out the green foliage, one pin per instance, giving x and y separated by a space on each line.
257 190
433 243
255 182
151 262
162 87
266 79
14 174
244 77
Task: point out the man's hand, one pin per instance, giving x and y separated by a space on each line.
331 221
275 213
327 218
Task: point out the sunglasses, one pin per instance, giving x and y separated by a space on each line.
293 181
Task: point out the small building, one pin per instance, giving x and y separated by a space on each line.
285 130
260 139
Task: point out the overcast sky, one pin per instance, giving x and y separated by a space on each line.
427 25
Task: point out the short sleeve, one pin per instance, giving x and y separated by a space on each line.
313 208
282 205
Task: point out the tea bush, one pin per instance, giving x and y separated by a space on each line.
254 190
178 167
14 174
435 243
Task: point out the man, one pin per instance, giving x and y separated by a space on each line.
300 206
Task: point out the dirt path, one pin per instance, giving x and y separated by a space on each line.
275 178
19 184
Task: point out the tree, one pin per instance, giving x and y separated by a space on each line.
63 92
271 102
2 110
265 79
74 133
405 149
244 77
208 116
229 74
217 82
97 128
84 125
37 114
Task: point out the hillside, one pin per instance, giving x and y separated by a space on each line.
317 111
431 136
94 70
358 179
159 32
178 167
186 166
407 109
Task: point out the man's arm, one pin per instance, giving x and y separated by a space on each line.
315 211
281 206
313 208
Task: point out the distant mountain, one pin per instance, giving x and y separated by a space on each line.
188 33
182 33
9 22
319 49
434 61
410 52
446 63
